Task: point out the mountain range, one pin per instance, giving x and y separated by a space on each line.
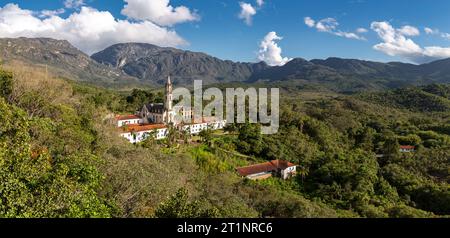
150 64
60 57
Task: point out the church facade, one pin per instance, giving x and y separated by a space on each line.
164 112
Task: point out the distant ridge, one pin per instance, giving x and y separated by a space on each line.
149 64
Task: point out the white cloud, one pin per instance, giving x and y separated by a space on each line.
330 25
80 30
74 3
445 35
270 52
158 11
409 31
361 30
349 35
49 13
430 31
260 3
327 25
436 52
396 43
247 12
310 22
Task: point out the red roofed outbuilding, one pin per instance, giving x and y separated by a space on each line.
407 148
280 168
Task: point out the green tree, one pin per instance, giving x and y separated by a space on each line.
303 171
250 139
391 147
150 140
173 134
186 135
206 136
35 184
6 84
178 206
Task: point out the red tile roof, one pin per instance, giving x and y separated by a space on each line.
139 128
264 167
407 147
127 117
282 164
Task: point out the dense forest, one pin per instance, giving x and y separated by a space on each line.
61 157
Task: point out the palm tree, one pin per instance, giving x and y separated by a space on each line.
186 135
171 135
206 136
150 139
303 172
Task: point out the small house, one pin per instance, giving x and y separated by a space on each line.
407 149
278 168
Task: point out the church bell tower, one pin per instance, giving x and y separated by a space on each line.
169 96
168 102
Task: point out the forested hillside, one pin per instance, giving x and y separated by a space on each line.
61 157
431 98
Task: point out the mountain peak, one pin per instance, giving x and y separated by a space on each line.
153 63
298 60
58 55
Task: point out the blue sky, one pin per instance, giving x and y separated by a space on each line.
394 30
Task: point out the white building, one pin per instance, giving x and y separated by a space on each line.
407 148
208 123
154 118
128 120
278 168
139 133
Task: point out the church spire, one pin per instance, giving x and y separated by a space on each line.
169 96
169 82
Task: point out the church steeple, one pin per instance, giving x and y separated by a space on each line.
168 104
169 82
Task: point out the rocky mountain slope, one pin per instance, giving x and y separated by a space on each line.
60 57
131 63
152 63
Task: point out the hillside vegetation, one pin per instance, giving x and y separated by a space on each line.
431 98
61 157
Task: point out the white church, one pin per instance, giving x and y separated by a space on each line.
154 120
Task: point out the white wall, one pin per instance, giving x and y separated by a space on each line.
285 173
142 135
121 123
197 128
162 133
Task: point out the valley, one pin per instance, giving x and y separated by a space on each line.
58 149
345 123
